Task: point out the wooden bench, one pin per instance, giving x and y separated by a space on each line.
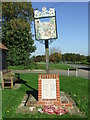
7 79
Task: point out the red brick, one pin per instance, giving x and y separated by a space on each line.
40 88
58 91
57 86
57 103
57 82
39 93
41 102
52 75
46 76
39 83
39 97
58 98
58 95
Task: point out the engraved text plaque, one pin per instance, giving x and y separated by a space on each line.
48 88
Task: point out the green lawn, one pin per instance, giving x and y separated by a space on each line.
60 66
11 99
42 65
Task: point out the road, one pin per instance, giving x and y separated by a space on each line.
83 67
81 73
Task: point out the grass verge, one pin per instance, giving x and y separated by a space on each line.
11 99
41 65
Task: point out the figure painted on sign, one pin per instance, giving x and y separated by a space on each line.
45 30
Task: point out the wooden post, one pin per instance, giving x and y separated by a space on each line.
76 72
68 71
47 56
11 83
2 81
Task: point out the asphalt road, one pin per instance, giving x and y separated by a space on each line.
82 67
80 73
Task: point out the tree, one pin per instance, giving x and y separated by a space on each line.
39 58
12 10
18 39
52 58
72 57
88 59
16 32
55 55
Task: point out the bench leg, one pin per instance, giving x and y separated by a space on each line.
11 83
2 84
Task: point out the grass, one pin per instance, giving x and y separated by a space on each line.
42 65
11 99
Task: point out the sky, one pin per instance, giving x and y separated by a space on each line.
72 27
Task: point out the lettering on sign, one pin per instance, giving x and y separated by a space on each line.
48 88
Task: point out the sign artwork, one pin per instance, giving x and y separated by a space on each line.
45 24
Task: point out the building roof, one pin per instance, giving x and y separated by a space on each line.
3 46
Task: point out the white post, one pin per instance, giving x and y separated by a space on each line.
68 71
76 72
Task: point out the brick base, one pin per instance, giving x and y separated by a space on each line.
49 102
56 102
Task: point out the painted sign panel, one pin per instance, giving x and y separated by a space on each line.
48 88
44 29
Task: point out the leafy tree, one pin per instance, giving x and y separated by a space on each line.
18 39
12 10
88 59
55 55
72 57
52 58
39 58
16 32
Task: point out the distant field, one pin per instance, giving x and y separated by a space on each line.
42 65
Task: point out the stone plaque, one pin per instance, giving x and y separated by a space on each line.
48 88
